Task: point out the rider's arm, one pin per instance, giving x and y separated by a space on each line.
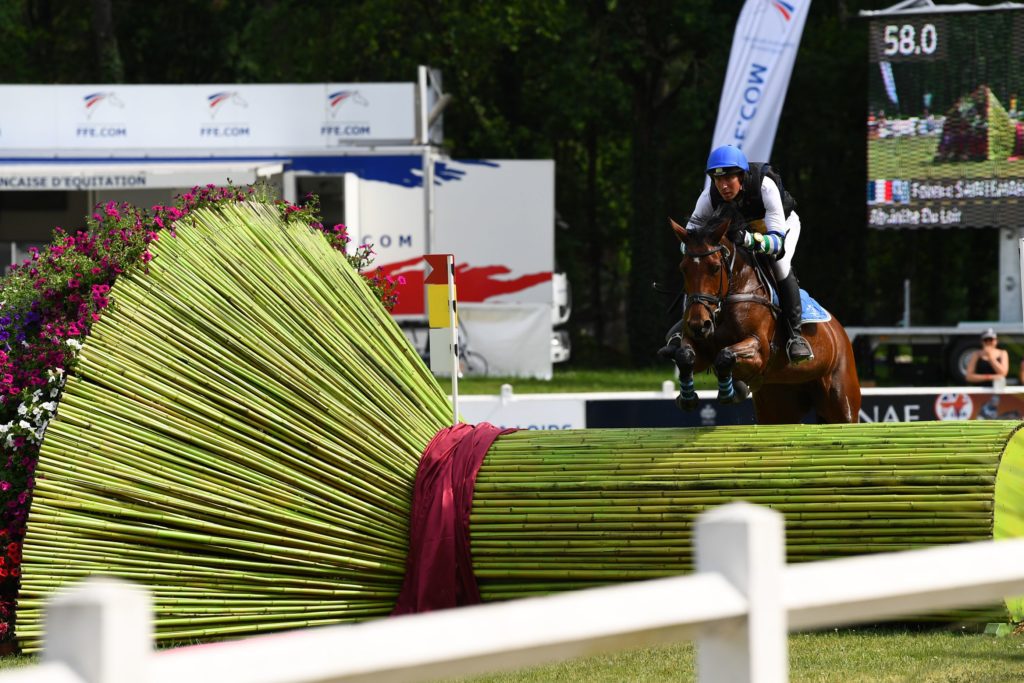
701 212
774 217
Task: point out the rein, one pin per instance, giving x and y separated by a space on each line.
715 303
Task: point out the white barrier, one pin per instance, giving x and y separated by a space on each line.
738 606
645 409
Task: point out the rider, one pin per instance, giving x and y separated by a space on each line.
757 190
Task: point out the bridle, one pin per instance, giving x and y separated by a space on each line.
715 303
712 303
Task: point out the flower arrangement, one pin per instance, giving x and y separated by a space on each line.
48 304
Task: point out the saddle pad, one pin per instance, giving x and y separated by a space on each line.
813 312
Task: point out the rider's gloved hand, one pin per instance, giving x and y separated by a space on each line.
749 241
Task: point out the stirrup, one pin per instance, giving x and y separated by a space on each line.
798 350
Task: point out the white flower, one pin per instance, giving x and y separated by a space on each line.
54 393
4 428
74 343
22 409
49 406
25 424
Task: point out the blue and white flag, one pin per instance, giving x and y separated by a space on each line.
890 83
763 51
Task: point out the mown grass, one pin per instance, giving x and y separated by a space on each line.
913 157
579 380
840 656
870 655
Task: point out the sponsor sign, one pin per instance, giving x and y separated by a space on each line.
575 411
129 175
764 48
286 119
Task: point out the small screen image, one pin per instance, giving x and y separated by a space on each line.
945 120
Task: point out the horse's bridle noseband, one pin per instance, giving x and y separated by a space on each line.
713 304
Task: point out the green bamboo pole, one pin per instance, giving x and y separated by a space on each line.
239 435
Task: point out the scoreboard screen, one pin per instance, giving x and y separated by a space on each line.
945 120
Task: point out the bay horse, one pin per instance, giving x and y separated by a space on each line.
729 323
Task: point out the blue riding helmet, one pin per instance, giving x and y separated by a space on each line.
727 159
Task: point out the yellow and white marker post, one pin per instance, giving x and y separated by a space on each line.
442 318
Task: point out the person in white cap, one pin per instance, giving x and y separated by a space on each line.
989 363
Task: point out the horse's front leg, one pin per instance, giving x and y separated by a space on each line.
686 358
748 352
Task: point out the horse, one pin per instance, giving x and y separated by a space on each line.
729 323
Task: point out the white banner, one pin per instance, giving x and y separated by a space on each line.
227 119
763 51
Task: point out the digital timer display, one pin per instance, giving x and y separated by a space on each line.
910 39
945 120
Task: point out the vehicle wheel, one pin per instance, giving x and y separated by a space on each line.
959 355
473 363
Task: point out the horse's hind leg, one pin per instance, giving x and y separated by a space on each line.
837 398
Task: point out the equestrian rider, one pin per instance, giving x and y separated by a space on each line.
757 190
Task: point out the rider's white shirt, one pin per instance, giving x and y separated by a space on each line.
774 216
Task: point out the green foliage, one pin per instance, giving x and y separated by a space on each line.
623 95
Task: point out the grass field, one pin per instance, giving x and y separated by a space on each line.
840 656
911 157
883 655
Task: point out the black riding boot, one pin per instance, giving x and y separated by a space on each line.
797 348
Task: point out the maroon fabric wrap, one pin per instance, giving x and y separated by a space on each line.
439 569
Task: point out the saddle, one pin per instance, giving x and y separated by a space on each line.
812 311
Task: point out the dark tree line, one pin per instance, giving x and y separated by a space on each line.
622 94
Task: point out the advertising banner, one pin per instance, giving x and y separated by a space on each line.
657 409
764 48
218 119
945 124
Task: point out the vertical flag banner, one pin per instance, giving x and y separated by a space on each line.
763 51
890 82
442 319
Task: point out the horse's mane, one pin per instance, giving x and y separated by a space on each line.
703 230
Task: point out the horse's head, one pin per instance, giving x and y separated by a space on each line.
708 255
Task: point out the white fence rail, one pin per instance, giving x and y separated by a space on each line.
738 606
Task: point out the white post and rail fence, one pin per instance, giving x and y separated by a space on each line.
738 606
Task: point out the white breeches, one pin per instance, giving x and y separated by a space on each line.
782 266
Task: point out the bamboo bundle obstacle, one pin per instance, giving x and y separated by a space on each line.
242 431
565 510
240 436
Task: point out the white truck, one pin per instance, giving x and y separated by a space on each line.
497 217
935 355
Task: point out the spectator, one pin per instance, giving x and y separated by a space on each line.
989 363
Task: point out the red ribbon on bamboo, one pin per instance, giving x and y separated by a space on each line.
439 568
